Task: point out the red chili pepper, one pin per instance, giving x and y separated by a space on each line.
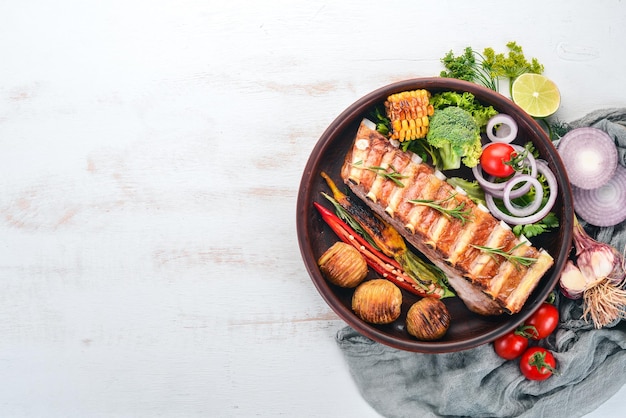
387 267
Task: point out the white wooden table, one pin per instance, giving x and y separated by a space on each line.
150 158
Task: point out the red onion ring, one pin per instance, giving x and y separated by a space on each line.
589 155
542 168
489 186
525 188
605 205
533 206
505 136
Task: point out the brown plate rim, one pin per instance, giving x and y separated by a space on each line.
304 210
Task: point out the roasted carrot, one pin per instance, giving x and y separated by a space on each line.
384 235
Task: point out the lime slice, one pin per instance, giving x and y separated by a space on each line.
536 94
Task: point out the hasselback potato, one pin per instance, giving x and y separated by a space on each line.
377 301
428 319
343 265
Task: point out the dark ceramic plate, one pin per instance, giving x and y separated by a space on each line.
467 329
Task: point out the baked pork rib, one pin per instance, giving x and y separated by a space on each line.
488 282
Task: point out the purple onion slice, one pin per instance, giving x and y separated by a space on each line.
589 156
501 128
515 220
605 205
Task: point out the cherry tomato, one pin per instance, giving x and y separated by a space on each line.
511 345
544 320
537 363
494 157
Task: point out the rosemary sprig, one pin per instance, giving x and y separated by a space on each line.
392 175
459 212
517 260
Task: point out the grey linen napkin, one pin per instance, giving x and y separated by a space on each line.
476 382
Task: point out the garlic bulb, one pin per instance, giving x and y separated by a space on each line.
596 260
602 266
573 283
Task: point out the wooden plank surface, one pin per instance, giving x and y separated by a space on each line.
150 157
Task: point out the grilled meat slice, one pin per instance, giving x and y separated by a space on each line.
488 283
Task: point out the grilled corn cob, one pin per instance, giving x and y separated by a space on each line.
408 112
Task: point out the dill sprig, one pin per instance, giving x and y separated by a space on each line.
517 158
516 162
386 172
469 66
517 260
459 211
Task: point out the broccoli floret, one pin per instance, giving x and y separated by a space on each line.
456 135
465 101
